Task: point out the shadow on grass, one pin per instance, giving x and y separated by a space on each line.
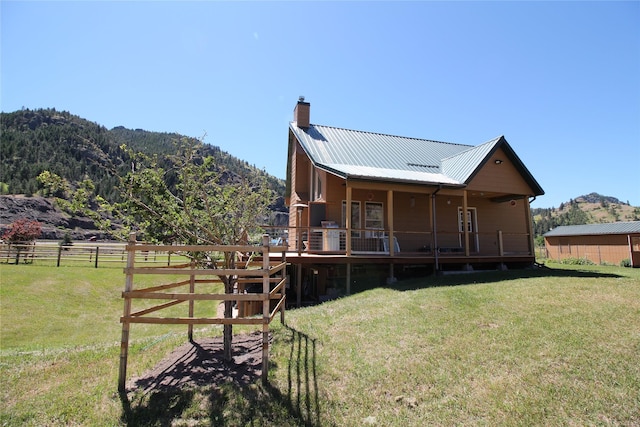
302 382
195 386
477 277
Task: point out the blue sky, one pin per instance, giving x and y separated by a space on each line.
561 80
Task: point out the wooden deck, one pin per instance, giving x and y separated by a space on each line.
400 259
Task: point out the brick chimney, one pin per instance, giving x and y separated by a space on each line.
301 113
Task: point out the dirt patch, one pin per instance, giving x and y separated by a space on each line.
196 364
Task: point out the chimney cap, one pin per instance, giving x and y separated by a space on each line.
301 98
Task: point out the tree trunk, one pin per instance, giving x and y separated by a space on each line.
227 333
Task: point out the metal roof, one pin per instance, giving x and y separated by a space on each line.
329 145
595 229
462 165
367 155
398 175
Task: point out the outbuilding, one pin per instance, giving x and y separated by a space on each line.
600 243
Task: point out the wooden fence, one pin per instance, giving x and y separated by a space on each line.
81 253
270 275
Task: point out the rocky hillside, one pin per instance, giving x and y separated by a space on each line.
55 223
591 208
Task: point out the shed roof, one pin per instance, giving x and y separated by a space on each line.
595 229
367 155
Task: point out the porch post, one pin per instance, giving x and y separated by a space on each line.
348 221
465 224
528 221
435 225
392 248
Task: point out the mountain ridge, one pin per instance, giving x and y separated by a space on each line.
74 148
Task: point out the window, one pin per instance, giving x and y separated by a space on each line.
316 184
355 217
374 218
472 226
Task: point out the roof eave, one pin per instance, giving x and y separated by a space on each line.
356 177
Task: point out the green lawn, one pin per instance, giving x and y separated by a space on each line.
556 346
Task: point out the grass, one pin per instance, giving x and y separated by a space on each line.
554 346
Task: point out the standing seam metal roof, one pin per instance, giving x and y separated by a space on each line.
374 150
368 155
462 165
595 229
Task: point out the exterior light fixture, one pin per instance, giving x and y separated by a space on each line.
498 162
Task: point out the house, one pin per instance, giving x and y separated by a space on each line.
600 243
359 197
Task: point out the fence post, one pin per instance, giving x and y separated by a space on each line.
97 252
266 302
124 342
59 255
192 289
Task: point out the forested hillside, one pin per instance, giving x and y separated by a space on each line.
587 209
33 141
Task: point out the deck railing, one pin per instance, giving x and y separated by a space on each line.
325 240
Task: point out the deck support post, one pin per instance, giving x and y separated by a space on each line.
392 278
348 278
299 285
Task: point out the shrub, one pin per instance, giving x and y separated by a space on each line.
625 263
22 231
577 261
66 240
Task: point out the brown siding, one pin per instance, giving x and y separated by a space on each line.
500 178
599 249
335 193
299 190
411 218
303 166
